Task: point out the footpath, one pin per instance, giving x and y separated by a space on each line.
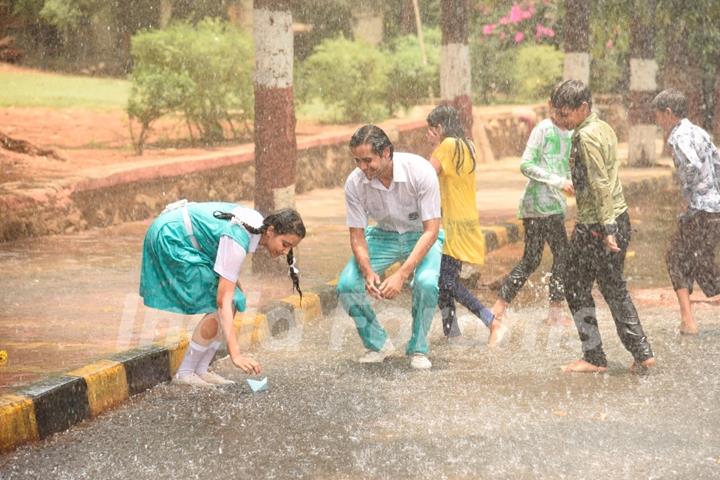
90 371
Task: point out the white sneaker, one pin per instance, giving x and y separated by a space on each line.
371 356
215 379
420 361
192 380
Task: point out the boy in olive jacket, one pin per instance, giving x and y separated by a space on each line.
601 235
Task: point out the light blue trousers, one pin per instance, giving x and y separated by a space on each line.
386 248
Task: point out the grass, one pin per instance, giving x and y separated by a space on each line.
24 89
316 110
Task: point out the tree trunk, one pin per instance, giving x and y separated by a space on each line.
407 18
716 110
576 44
166 11
455 80
23 146
367 22
275 142
240 13
643 85
682 72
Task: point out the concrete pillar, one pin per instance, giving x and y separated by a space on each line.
643 85
455 80
576 44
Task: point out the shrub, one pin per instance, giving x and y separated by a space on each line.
411 81
536 71
491 67
495 46
350 76
203 72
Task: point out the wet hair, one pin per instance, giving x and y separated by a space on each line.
571 94
374 136
286 221
447 118
674 100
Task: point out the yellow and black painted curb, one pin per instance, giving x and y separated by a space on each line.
54 404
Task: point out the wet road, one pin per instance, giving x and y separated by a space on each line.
477 414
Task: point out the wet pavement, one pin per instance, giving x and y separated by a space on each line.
478 413
508 413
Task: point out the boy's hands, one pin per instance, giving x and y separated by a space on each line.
392 285
611 244
372 284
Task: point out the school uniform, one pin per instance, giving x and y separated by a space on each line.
187 250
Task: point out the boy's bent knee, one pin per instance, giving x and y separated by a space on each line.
426 282
350 284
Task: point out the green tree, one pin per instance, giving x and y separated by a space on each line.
349 75
202 71
537 69
410 79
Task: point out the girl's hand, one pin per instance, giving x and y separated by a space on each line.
246 364
434 136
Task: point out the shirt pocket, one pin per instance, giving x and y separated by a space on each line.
408 207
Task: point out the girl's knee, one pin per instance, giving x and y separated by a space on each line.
209 327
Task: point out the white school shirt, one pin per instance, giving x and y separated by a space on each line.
412 197
231 255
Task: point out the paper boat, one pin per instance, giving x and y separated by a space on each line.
258 385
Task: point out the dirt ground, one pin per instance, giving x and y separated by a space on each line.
93 138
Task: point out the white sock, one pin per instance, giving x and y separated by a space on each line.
204 363
194 354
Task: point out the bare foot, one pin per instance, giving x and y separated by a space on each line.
644 366
557 315
688 327
581 366
499 308
498 331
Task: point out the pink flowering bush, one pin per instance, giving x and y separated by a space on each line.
525 21
508 27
